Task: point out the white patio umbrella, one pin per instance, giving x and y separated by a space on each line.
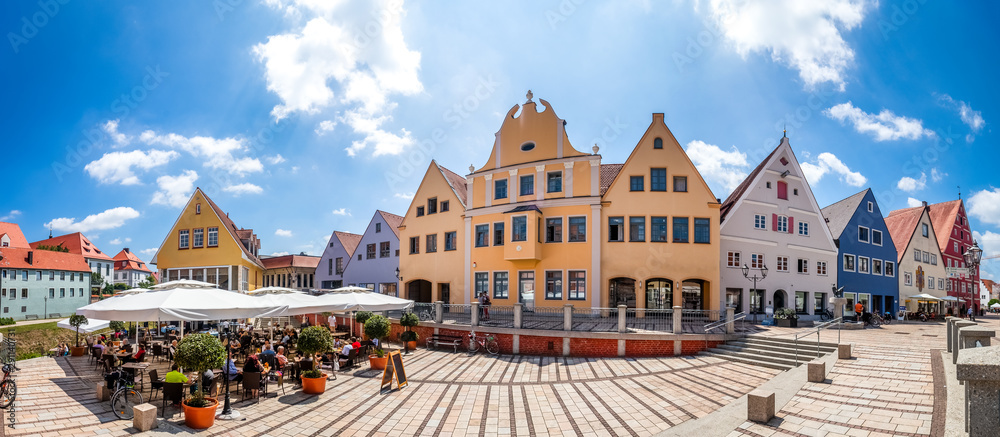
363 299
996 305
183 283
925 296
131 291
91 325
273 290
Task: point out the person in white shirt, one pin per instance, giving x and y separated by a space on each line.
332 322
346 351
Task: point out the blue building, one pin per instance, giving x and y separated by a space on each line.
39 284
866 265
376 259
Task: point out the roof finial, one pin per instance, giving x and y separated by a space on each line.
529 96
595 148
959 192
50 229
472 168
784 131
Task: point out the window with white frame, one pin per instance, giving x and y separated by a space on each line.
733 259
821 268
930 282
864 264
940 283
213 237
756 260
199 238
182 239
876 237
849 263
908 279
782 224
934 259
916 255
804 229
759 221
782 264
577 285
871 207
500 285
890 268
803 266
864 234
876 267
927 257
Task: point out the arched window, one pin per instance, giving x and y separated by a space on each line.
659 293
658 143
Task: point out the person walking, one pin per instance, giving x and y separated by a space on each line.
859 310
972 315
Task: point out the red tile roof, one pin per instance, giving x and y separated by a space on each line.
76 243
126 260
457 183
236 233
277 262
608 174
392 220
902 223
13 231
349 241
943 217
17 258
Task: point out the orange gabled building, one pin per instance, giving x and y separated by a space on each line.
129 269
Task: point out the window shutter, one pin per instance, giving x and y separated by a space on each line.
791 225
774 222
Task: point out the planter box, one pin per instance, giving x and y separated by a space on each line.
788 323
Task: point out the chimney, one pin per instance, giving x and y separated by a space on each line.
125 249
31 257
925 203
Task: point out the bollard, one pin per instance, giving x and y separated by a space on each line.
950 323
955 345
678 327
144 417
103 393
760 406
730 315
844 351
817 371
979 369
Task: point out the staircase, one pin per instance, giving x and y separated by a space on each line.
775 353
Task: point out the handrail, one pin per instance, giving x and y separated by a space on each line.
839 321
720 323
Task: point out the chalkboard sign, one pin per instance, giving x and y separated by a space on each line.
397 362
386 376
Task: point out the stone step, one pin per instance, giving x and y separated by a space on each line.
751 359
772 352
803 353
776 341
784 348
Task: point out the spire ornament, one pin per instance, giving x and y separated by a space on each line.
529 96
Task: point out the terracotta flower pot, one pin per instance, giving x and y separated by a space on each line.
378 363
314 386
78 351
200 418
412 345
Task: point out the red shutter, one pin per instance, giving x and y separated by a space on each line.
774 222
791 225
782 190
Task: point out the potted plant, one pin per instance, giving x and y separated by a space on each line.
200 352
312 340
362 317
787 318
77 321
378 327
409 337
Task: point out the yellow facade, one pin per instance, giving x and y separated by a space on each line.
230 263
536 227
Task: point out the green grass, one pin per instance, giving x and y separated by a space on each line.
36 340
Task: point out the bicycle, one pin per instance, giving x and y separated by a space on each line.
873 319
825 315
125 396
489 343
887 319
8 388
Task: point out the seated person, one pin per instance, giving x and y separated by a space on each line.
172 350
252 365
267 350
355 343
280 356
136 357
174 375
100 347
346 350
206 381
233 373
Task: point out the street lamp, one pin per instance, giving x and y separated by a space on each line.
973 256
400 279
228 413
763 274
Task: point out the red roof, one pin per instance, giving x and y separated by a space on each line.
131 262
457 183
13 231
285 261
17 258
902 223
943 216
392 220
349 241
608 174
76 243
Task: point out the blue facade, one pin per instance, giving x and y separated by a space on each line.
31 294
866 265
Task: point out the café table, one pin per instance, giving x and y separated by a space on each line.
140 367
338 334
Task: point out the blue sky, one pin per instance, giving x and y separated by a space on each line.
302 117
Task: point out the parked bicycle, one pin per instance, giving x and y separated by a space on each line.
825 315
125 396
872 319
489 343
887 318
8 388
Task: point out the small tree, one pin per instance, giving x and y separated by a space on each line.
96 280
409 320
200 352
991 302
148 282
76 321
378 327
312 340
363 316
116 325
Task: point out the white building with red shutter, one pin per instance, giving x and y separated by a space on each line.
773 220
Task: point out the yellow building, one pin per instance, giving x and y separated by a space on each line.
205 245
545 224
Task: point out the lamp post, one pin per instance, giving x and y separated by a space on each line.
400 279
973 256
762 274
228 413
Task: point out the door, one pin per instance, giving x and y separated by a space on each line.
622 292
779 299
526 289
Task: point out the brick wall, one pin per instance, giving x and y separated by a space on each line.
694 346
649 348
592 347
548 346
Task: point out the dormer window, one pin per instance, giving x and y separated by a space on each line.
197 209
784 161
527 147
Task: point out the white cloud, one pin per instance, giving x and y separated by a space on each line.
805 36
175 190
118 241
283 233
407 196
279 254
342 211
117 167
936 175
244 188
14 213
324 127
149 252
911 185
985 206
913 203
972 118
826 162
109 219
990 243
111 128
276 159
727 168
369 63
884 126
217 153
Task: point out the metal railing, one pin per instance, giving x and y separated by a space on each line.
816 330
543 318
459 314
639 319
424 311
741 317
694 321
497 316
595 319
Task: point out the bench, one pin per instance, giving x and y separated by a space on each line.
449 340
